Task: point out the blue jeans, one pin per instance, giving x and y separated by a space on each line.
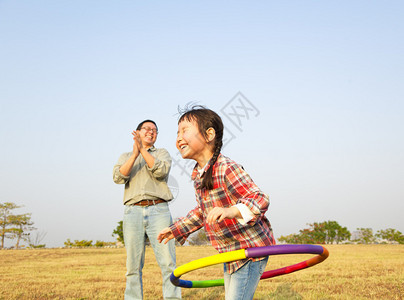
241 285
139 222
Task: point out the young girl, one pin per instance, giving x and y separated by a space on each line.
230 206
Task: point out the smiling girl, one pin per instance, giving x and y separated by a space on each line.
230 206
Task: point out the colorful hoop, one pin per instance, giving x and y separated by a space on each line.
249 253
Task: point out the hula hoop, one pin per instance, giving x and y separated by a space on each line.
249 253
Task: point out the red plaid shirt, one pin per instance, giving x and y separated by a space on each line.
231 185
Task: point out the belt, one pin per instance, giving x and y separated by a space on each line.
149 202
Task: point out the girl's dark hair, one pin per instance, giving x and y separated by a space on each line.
145 121
205 119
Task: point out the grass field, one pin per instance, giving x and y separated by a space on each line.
350 272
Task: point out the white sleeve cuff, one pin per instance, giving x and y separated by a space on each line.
246 214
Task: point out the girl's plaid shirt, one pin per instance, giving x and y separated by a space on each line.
231 185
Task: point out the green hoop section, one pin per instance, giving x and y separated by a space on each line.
249 253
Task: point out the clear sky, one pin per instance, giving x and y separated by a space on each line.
322 83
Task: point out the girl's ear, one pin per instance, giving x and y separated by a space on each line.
210 134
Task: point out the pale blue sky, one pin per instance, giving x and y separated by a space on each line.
325 78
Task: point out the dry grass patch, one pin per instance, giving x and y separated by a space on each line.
350 272
62 274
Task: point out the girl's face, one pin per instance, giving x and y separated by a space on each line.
191 144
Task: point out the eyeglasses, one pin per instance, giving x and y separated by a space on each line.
153 130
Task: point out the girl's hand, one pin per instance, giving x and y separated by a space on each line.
218 214
165 234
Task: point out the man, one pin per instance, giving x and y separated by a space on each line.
144 171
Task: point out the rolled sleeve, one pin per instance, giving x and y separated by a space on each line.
246 214
117 176
162 164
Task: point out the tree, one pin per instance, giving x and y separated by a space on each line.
327 232
365 236
14 226
198 238
83 243
77 243
314 235
291 239
391 235
101 244
343 234
119 232
68 243
22 224
6 221
335 232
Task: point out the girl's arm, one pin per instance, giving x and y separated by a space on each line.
181 229
243 189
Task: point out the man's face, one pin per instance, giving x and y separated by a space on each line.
148 134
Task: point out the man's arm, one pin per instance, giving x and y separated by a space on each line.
126 168
147 157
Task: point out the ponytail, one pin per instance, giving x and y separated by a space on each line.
207 181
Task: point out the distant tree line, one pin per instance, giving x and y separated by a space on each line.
17 227
86 243
330 232
327 232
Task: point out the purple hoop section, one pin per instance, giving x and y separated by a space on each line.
289 249
284 249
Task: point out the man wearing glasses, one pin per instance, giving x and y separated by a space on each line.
144 171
